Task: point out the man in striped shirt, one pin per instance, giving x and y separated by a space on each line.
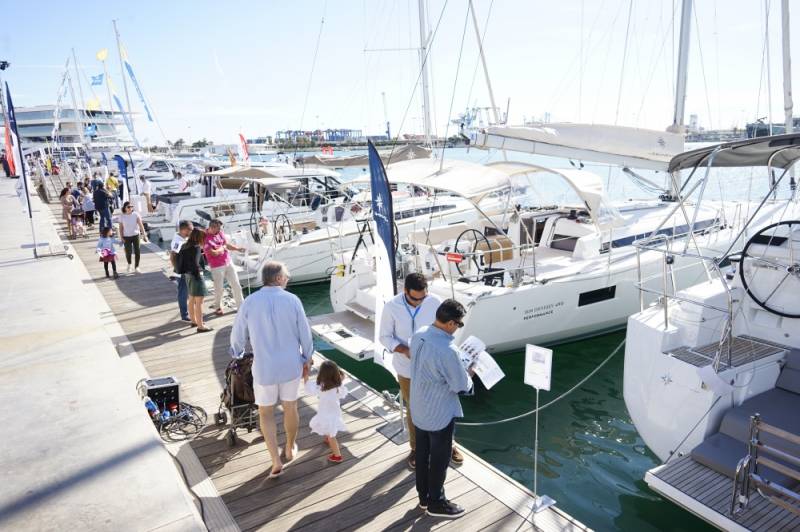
437 377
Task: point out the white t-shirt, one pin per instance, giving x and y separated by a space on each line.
177 243
130 223
146 187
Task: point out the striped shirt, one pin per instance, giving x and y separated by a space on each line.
437 377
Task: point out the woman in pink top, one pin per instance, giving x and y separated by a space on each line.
219 262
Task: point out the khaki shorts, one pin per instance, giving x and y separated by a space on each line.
270 394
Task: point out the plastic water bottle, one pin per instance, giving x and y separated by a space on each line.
507 278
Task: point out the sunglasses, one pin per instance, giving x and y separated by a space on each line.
458 323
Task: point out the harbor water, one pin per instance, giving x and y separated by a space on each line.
591 460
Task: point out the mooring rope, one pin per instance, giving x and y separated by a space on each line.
554 401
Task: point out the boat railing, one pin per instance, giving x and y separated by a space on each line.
749 476
662 243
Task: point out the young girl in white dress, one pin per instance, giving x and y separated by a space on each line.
328 420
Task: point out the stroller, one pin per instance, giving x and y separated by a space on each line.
238 399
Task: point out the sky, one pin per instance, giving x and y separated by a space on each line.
215 69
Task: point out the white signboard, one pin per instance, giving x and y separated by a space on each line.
538 363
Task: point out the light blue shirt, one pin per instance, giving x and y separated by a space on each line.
275 323
437 377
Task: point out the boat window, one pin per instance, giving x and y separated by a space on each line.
563 242
420 211
596 296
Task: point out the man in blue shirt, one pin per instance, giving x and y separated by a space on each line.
275 323
437 377
102 203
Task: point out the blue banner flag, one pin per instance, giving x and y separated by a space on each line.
123 168
97 80
129 68
382 210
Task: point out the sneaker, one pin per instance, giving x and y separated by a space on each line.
412 459
129 268
137 270
187 319
447 509
423 504
456 456
116 275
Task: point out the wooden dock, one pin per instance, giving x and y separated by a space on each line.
371 490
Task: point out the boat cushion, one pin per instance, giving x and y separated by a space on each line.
722 453
789 380
777 407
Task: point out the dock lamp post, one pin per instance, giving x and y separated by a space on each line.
3 66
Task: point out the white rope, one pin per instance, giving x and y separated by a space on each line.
554 401
455 84
311 74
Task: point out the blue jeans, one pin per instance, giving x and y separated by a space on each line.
105 218
183 296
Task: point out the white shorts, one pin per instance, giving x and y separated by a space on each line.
270 394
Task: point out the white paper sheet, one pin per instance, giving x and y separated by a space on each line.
487 370
470 349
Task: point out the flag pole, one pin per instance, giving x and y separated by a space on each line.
12 123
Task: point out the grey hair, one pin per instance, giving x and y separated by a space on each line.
272 271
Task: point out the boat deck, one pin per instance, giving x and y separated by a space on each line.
707 493
371 490
744 350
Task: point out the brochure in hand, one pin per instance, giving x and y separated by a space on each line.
473 354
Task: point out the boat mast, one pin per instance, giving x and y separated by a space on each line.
124 80
423 63
495 113
75 108
787 68
683 65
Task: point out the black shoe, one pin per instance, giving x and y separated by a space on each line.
412 460
447 509
423 504
187 320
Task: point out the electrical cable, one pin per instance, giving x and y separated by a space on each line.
557 399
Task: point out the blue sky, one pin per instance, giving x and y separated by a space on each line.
213 69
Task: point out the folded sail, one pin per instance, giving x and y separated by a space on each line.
617 145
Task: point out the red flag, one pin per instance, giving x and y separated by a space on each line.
245 153
9 150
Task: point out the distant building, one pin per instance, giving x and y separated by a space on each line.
694 125
319 135
762 129
97 129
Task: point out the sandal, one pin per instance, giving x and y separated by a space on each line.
294 455
275 474
219 312
204 329
335 458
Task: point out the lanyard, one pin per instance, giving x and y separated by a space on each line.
412 315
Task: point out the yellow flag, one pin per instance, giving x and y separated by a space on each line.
93 105
102 54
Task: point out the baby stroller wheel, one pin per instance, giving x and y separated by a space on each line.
220 418
231 438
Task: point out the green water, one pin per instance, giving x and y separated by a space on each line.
591 460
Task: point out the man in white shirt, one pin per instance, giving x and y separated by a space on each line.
274 322
147 190
402 316
184 228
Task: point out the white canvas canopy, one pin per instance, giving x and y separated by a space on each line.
257 172
587 185
400 153
617 145
470 180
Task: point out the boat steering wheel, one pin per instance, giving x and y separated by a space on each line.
477 237
282 229
781 273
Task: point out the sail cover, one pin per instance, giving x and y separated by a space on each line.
781 150
617 145
383 218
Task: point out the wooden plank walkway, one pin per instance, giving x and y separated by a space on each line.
371 490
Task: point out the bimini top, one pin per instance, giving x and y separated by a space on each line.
470 180
598 143
277 171
587 185
782 150
401 153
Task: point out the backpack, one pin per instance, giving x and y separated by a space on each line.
184 263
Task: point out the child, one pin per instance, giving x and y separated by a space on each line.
105 248
328 420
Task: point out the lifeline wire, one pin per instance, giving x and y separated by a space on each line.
557 399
